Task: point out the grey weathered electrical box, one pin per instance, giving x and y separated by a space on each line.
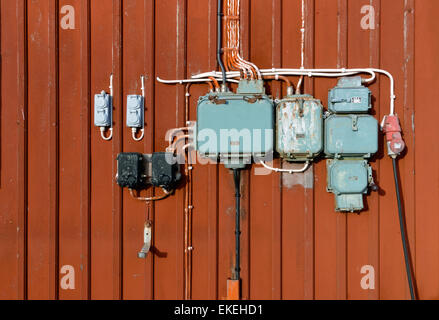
349 180
350 96
299 124
103 111
135 111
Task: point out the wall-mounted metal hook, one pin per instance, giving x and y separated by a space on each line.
147 238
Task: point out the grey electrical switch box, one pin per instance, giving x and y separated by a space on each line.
103 110
135 111
350 96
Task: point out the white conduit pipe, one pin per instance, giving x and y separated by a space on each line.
299 72
195 80
290 171
320 73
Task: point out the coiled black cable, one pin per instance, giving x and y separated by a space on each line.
237 179
220 41
402 224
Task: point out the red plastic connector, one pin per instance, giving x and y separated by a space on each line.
393 131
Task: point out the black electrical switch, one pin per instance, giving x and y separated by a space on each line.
138 171
131 171
165 171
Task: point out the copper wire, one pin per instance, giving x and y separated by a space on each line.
232 58
150 199
215 82
283 78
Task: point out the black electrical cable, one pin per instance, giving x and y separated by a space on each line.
220 42
237 179
402 225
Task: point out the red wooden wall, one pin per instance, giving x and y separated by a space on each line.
59 204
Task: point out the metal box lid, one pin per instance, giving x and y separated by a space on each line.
299 128
350 96
351 136
235 125
348 176
349 180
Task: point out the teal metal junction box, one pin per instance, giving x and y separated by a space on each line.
349 180
299 123
350 96
351 135
235 127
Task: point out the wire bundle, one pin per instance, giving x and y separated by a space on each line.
232 57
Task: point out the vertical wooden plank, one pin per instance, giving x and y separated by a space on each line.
150 79
201 55
181 72
171 48
309 238
260 221
246 177
105 248
265 262
212 173
341 242
22 143
373 199
408 170
53 165
117 148
85 188
363 236
393 273
276 211
134 212
13 280
71 90
43 148
330 227
297 187
426 168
